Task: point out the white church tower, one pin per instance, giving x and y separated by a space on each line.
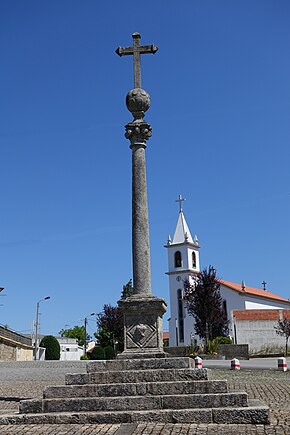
183 262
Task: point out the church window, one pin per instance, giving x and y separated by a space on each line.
177 259
193 260
225 308
180 316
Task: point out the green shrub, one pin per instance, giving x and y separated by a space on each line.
97 353
213 345
52 347
225 340
109 352
85 357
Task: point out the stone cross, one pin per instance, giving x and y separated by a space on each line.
142 311
180 200
136 51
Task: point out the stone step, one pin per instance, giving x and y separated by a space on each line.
136 389
132 376
140 364
256 414
134 403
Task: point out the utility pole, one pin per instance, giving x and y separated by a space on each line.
85 343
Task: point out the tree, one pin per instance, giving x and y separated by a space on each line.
77 332
52 347
98 352
205 304
104 337
109 352
283 329
127 290
110 324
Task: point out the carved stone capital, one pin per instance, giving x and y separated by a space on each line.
138 132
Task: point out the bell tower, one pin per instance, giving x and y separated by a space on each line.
183 263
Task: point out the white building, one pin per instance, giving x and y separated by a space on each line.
69 349
183 263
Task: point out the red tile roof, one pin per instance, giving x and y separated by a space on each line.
253 291
261 314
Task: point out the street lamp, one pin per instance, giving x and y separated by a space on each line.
85 343
1 289
36 326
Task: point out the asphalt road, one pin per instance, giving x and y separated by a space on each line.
254 363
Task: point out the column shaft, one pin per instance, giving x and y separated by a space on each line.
140 225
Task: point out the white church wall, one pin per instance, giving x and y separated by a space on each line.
234 302
173 312
257 305
176 282
190 337
173 323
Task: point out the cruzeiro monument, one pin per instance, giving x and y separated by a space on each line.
143 384
143 311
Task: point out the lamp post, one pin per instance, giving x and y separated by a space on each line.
1 289
36 326
85 343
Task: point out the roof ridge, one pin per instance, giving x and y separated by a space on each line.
252 290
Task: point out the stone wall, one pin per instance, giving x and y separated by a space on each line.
177 351
14 346
7 351
225 351
230 351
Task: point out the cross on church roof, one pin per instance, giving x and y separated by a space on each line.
136 51
180 200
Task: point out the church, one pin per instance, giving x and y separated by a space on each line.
183 263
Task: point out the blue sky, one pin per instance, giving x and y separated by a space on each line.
220 112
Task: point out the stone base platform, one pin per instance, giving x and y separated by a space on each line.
167 390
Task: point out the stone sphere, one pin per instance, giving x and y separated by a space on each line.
137 101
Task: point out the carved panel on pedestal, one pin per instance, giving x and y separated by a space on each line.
141 333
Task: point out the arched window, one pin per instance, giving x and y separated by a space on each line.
180 316
193 260
177 259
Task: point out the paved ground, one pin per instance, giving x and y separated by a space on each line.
22 380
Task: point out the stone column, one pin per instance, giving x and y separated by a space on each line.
142 312
140 227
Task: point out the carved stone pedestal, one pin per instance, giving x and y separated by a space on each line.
143 327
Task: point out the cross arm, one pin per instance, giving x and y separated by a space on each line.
144 49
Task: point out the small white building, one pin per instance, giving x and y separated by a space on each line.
257 329
69 349
183 263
